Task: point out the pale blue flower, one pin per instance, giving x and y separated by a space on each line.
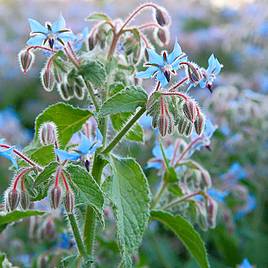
236 172
245 264
80 39
247 208
209 75
163 66
54 33
87 147
8 154
218 195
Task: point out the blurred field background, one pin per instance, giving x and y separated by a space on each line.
236 31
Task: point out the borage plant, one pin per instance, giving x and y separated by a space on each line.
71 159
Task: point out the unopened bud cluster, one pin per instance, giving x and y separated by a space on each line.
48 133
169 112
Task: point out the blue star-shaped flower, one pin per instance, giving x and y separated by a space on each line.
163 66
50 33
87 147
9 154
209 75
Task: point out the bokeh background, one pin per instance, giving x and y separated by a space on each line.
236 31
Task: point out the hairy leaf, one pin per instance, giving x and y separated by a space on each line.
186 233
126 100
16 216
94 72
44 176
87 191
131 198
67 118
134 134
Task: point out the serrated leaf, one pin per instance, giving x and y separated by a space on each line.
98 16
126 100
186 233
67 118
131 198
87 191
136 131
94 72
16 216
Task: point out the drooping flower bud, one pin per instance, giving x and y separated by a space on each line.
162 17
194 72
163 124
24 200
26 59
212 208
162 35
58 74
55 197
189 109
206 179
79 92
185 127
199 123
13 199
64 91
69 202
48 133
92 41
47 79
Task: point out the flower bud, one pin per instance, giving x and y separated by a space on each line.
69 202
26 59
194 72
212 208
47 79
48 133
163 124
189 109
64 91
185 127
13 199
206 179
55 197
58 74
199 123
162 17
24 200
92 41
162 35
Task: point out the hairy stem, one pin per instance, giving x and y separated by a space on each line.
158 195
77 235
181 199
124 130
92 95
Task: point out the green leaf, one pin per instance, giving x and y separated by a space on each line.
42 155
136 131
126 100
16 216
186 233
98 16
94 72
67 118
87 191
131 198
44 176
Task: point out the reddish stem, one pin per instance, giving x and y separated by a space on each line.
178 142
21 155
148 25
58 174
40 47
175 94
65 182
72 52
188 148
20 176
179 83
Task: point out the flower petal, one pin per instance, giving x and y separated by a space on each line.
36 40
58 25
64 155
154 58
148 73
37 27
174 54
66 36
85 145
162 78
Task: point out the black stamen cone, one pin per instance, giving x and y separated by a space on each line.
167 75
51 43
